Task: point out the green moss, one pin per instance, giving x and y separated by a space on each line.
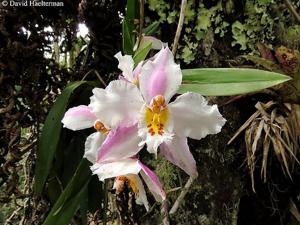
259 24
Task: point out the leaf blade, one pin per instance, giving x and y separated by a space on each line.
69 201
128 26
151 29
228 81
142 52
50 136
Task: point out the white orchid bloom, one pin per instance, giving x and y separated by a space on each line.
161 123
119 135
126 65
129 170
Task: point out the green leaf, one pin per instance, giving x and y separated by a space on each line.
151 29
127 38
50 136
228 81
128 26
142 52
71 198
132 9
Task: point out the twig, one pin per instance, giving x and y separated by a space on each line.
150 210
142 3
173 189
98 76
88 50
9 220
165 213
292 10
179 26
182 195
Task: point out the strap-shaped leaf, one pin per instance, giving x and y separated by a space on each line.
228 81
71 198
128 26
151 29
50 136
142 52
127 38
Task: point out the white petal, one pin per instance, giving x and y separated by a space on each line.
137 71
120 143
177 152
126 65
92 145
152 183
120 102
141 197
156 43
154 141
192 117
78 118
160 76
114 169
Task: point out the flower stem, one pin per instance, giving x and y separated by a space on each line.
179 26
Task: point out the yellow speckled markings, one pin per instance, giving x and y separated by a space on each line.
156 116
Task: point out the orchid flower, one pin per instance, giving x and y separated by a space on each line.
126 62
129 170
115 134
126 65
112 145
162 123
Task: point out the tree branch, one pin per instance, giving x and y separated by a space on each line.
292 10
182 195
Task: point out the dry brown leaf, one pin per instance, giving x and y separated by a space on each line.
257 136
278 127
294 210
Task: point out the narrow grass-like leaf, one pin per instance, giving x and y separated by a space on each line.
228 81
50 136
142 52
71 198
128 26
127 38
151 29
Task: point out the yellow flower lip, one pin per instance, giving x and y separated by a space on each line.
100 127
156 116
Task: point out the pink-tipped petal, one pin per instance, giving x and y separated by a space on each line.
114 169
160 76
119 103
78 118
137 71
92 145
192 117
120 143
177 152
152 183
